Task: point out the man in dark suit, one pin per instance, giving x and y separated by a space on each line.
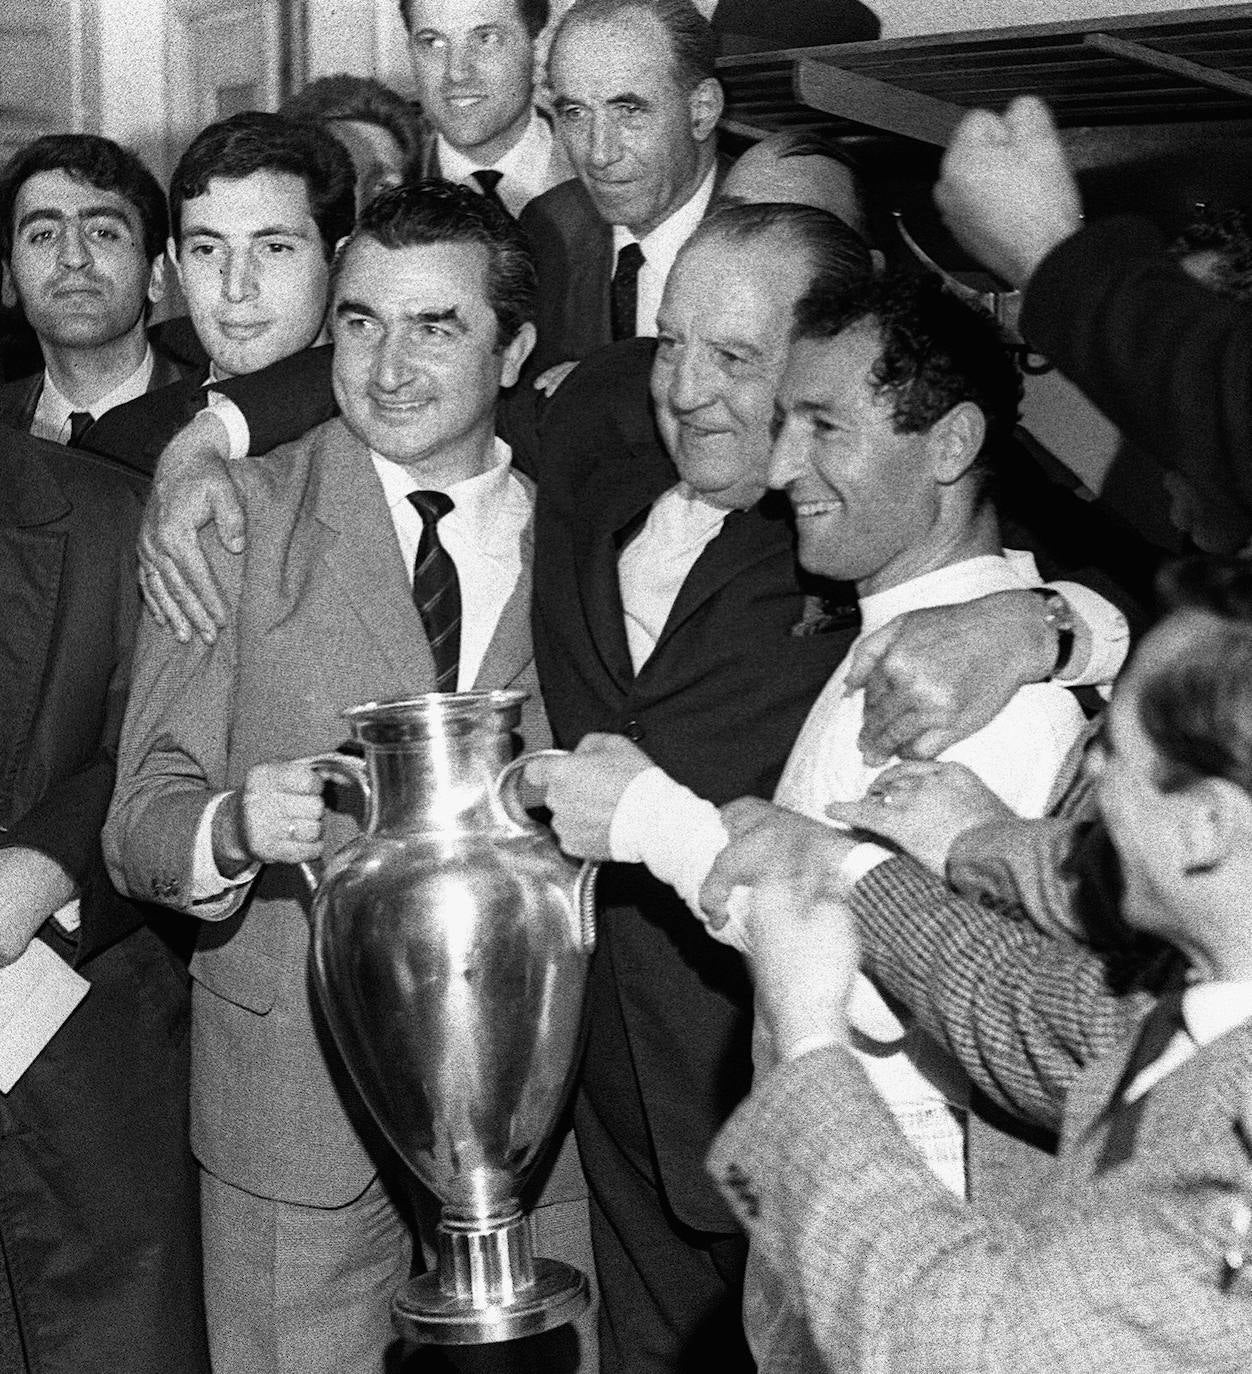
474 68
1165 361
433 299
99 1227
258 204
83 225
1131 1255
637 103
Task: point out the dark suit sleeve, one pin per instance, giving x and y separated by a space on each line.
1021 1010
1168 362
282 402
65 823
865 1256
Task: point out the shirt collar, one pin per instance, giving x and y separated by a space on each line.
57 407
660 247
956 582
525 162
475 498
1211 1009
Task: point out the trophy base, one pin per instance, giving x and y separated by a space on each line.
424 1313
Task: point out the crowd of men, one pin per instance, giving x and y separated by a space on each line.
940 1059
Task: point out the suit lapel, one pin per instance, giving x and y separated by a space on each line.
509 652
361 552
20 400
610 506
746 537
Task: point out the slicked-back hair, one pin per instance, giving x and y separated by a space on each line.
534 14
691 38
254 141
423 213
1197 707
936 352
344 96
840 257
97 162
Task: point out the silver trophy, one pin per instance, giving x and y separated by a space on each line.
451 942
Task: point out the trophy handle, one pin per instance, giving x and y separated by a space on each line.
336 768
585 886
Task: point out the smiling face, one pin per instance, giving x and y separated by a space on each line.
474 65
865 497
417 367
722 334
253 268
640 144
78 262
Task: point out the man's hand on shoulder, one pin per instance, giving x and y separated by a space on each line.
192 488
935 676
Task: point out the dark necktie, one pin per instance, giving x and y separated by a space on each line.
80 423
437 590
489 180
1158 1030
624 293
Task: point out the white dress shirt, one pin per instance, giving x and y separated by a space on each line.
660 248
526 169
52 413
1017 755
482 535
654 565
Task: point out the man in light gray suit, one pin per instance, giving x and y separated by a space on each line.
432 302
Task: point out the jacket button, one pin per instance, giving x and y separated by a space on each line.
634 731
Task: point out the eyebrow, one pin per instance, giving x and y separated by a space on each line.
269 231
88 212
449 316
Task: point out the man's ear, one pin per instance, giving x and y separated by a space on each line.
171 253
8 291
157 279
706 103
955 441
1215 821
515 353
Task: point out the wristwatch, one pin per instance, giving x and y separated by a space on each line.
1058 615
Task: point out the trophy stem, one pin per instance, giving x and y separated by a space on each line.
488 1286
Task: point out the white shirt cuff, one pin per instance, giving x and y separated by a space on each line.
239 436
672 832
209 889
1110 635
859 862
677 836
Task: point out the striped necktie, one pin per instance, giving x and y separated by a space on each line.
437 589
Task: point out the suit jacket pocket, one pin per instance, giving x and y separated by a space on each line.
244 975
